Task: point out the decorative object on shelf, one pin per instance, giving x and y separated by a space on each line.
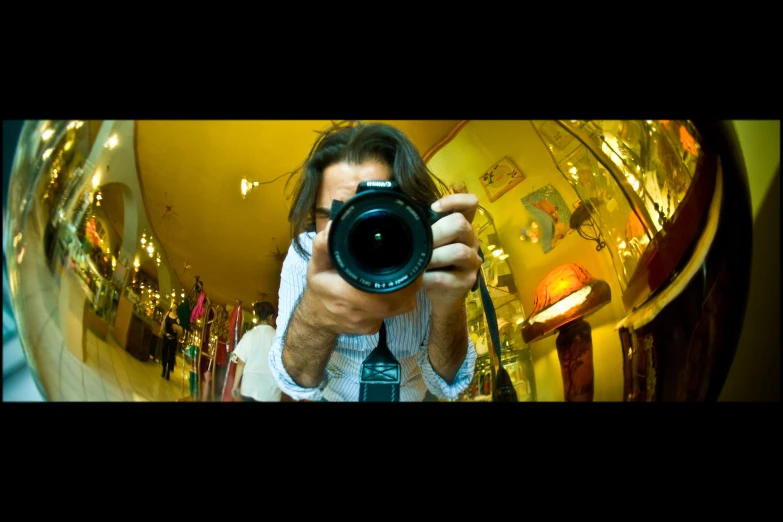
564 298
500 178
582 221
551 212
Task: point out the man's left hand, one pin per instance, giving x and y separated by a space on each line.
455 261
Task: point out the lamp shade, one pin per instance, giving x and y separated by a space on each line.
566 294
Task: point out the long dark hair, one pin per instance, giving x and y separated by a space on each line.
355 143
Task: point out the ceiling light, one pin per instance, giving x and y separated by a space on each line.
47 134
47 153
111 142
96 180
246 186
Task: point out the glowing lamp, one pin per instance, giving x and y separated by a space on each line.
246 186
564 298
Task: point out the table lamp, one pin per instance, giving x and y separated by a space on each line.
564 298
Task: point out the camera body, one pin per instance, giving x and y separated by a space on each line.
380 240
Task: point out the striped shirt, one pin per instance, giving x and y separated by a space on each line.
407 336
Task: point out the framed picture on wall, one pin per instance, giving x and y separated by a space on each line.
552 214
500 178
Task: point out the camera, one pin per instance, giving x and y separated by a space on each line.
380 240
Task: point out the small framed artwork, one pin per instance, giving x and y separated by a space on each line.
500 178
551 212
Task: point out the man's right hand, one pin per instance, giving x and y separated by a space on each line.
329 302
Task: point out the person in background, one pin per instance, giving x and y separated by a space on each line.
169 331
254 381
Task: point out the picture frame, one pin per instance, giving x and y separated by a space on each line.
549 209
500 178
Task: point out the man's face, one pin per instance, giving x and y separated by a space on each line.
340 181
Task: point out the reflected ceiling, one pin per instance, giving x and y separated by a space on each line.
190 174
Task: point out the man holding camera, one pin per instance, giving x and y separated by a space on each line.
326 326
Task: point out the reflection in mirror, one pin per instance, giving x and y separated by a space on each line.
138 249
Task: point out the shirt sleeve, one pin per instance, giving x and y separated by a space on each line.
293 280
435 383
241 350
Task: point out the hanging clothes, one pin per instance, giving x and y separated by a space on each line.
234 336
183 312
220 330
198 311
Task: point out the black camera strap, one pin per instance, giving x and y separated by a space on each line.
503 390
380 377
380 372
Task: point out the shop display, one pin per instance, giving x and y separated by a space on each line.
515 355
633 174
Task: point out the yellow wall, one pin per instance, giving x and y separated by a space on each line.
760 143
473 151
755 372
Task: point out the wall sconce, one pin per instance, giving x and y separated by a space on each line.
582 222
246 186
564 298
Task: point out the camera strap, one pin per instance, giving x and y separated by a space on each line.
503 389
380 372
380 377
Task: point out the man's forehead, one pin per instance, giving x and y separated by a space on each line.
341 179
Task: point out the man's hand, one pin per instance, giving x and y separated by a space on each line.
329 302
455 261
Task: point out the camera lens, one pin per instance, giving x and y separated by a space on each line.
380 242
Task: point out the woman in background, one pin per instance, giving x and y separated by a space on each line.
170 329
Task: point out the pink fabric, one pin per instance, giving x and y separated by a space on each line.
198 311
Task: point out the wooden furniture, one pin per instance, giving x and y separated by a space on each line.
140 337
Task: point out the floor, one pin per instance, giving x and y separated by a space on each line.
109 373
